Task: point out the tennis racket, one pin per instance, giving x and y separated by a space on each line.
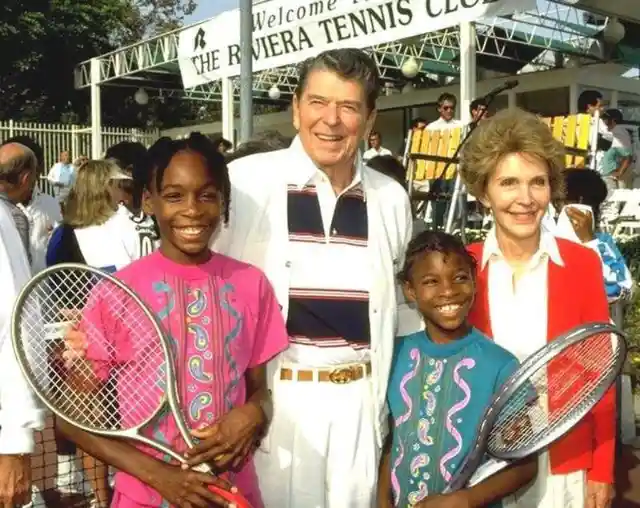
547 396
126 382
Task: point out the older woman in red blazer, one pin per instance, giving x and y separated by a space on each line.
532 287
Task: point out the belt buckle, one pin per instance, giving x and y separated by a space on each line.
342 375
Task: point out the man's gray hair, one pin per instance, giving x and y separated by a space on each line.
348 63
12 167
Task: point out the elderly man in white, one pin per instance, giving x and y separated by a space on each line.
20 415
330 233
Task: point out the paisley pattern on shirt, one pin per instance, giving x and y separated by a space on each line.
437 396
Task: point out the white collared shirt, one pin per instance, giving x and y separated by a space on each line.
441 124
372 153
518 308
20 414
44 216
328 266
258 234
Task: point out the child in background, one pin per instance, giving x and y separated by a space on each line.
226 322
442 380
586 187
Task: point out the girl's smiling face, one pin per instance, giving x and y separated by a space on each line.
442 286
187 207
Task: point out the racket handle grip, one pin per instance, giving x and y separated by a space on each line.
237 499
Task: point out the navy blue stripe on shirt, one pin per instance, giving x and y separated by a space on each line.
350 224
305 219
329 314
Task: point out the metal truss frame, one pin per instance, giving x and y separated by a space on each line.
551 27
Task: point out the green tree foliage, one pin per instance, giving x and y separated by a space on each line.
41 42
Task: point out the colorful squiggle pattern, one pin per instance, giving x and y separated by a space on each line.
467 363
395 483
423 432
201 337
415 355
234 375
436 375
418 495
196 369
197 307
419 461
199 403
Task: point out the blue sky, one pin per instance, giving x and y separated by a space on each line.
208 8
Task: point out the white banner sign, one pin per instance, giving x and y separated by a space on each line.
286 32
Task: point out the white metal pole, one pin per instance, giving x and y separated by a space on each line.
246 70
573 98
467 69
227 110
96 111
467 94
615 96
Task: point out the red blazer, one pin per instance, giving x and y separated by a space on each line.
576 296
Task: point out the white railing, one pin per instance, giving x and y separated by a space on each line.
76 139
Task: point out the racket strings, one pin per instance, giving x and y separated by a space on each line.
120 383
560 391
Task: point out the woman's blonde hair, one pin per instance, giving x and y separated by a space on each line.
511 131
90 202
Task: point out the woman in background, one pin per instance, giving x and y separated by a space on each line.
532 287
586 188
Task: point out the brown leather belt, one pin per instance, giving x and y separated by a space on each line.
340 375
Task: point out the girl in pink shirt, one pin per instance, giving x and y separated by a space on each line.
225 324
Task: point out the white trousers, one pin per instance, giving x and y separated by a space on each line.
550 491
322 450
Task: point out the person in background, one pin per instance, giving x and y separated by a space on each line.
133 160
18 173
478 109
586 187
20 413
267 141
92 232
446 105
418 124
440 188
375 147
428 372
224 146
42 210
62 175
590 102
392 167
617 159
532 287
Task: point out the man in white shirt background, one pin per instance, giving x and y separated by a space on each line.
20 414
446 105
62 175
42 210
17 178
375 147
440 188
